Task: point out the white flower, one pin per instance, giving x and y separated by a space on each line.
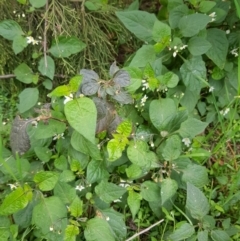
228 31
30 39
211 89
224 112
145 86
4 123
35 42
23 15
117 201
152 144
79 187
234 52
14 11
107 218
123 185
175 47
68 98
143 100
175 54
58 136
212 15
186 141
12 186
183 47
51 228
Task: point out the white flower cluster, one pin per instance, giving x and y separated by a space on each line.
58 136
143 100
177 49
145 85
211 89
31 40
213 16
224 112
186 141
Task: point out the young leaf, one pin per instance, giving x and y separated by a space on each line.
190 25
218 52
19 44
172 149
24 74
197 204
47 67
71 232
150 191
75 83
198 46
168 189
114 150
46 180
28 98
16 200
109 192
82 116
220 235
98 230
185 231
64 46
76 207
139 23
50 214
9 29
62 90
134 200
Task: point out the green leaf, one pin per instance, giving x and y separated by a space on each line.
134 200
172 148
65 192
195 174
203 235
168 189
134 172
191 25
116 223
48 84
193 71
190 99
67 176
114 150
206 6
218 52
4 228
19 44
140 23
76 207
80 143
220 235
150 191
82 116
96 171
161 111
62 90
144 55
197 203
64 46
47 67
169 79
28 98
125 128
109 192
24 74
98 230
16 200
46 180
43 153
185 231
38 3
198 46
71 232
192 127
50 214
176 14
10 29
75 83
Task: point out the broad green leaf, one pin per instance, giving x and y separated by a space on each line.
50 214
160 111
114 150
218 52
25 74
192 127
75 83
96 171
71 232
169 79
9 29
191 25
195 174
38 3
197 204
80 143
4 228
168 189
46 67
198 46
62 90
82 116
16 200
98 230
116 223
43 153
76 207
22 1
202 235
133 172
53 128
144 55
220 235
46 180
193 71
185 231
176 14
150 191
109 192
48 84
206 6
28 98
134 200
190 99
64 46
65 192
67 176
172 148
140 23
19 44
139 154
